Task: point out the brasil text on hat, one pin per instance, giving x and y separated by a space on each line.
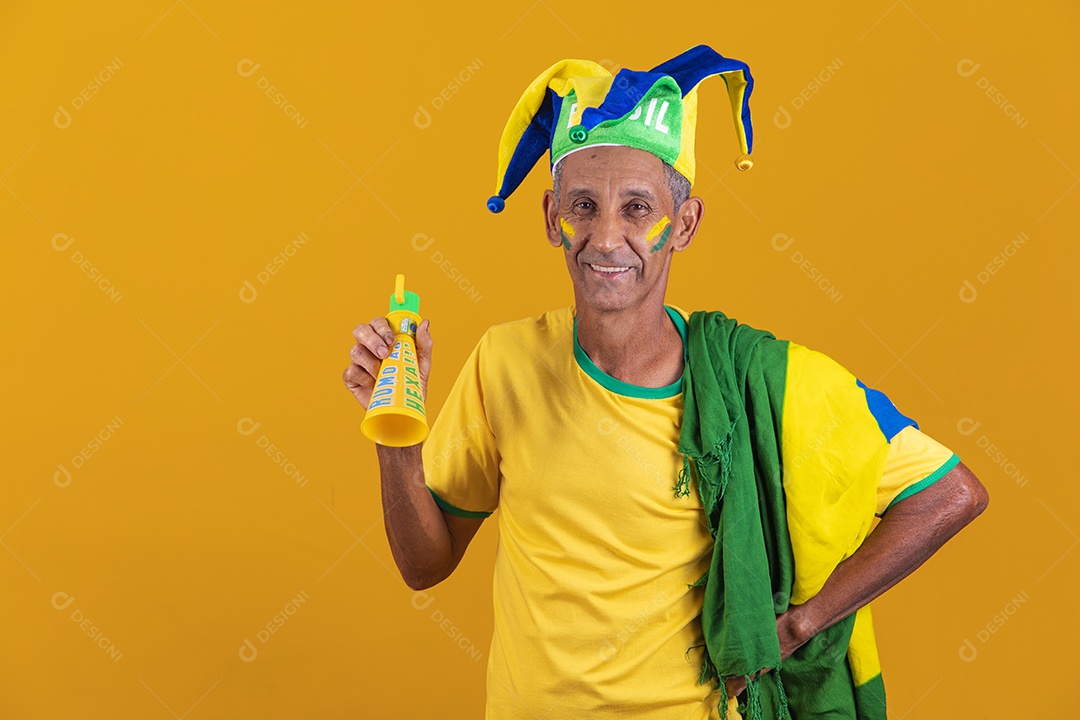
576 104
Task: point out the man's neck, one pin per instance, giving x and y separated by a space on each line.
640 346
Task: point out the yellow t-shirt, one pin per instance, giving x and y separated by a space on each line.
593 613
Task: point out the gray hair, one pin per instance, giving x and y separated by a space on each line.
677 184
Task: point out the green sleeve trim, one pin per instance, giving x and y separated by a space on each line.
624 388
453 510
926 481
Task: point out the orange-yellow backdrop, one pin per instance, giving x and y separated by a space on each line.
200 202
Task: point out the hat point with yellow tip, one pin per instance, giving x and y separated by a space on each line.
576 104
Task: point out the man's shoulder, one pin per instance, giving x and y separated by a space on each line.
719 328
746 340
524 333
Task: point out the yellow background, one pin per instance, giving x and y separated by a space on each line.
180 180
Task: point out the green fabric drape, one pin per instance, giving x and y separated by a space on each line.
733 404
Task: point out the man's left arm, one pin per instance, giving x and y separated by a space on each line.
912 530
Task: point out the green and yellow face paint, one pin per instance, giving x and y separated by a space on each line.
566 231
661 227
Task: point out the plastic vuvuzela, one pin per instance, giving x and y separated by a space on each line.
395 416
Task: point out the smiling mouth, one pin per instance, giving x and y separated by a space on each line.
609 270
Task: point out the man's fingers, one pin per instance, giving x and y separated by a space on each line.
376 336
354 377
423 338
382 327
361 356
373 343
423 353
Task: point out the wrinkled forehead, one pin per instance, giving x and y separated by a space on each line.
611 166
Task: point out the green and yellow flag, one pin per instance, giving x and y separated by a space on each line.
790 453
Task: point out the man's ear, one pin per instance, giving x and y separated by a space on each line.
551 218
687 221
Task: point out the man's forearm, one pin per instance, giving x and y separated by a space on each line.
415 527
908 534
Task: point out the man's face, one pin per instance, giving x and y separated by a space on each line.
617 226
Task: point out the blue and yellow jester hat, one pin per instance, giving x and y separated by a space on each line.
576 104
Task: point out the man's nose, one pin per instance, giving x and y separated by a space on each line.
608 233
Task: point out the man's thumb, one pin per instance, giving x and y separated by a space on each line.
423 341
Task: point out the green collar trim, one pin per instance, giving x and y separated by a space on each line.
624 388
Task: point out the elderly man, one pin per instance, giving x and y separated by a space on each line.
618 592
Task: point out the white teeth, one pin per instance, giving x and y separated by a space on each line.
605 269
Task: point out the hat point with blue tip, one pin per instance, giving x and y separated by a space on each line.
576 104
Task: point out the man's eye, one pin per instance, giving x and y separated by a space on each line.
583 205
637 207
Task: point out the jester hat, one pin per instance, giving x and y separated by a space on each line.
576 104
